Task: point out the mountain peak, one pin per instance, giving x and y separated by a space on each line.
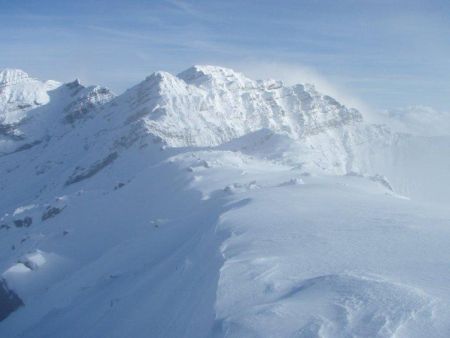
210 70
159 75
12 76
207 75
161 80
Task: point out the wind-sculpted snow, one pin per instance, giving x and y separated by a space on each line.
352 306
208 204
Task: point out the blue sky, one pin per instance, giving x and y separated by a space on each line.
383 53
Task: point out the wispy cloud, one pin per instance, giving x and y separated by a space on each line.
185 7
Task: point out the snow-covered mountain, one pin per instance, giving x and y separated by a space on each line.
209 204
31 110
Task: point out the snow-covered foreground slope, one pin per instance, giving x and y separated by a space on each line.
211 205
332 257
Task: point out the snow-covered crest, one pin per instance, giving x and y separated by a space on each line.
10 76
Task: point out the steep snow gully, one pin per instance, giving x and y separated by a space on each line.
208 204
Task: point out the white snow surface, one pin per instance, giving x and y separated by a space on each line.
208 204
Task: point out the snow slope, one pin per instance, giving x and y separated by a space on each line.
208 204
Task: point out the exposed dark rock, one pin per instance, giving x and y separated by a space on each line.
28 146
26 222
24 106
9 130
119 185
79 112
51 212
74 84
9 300
94 169
29 265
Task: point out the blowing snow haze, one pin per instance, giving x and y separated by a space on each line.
253 200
